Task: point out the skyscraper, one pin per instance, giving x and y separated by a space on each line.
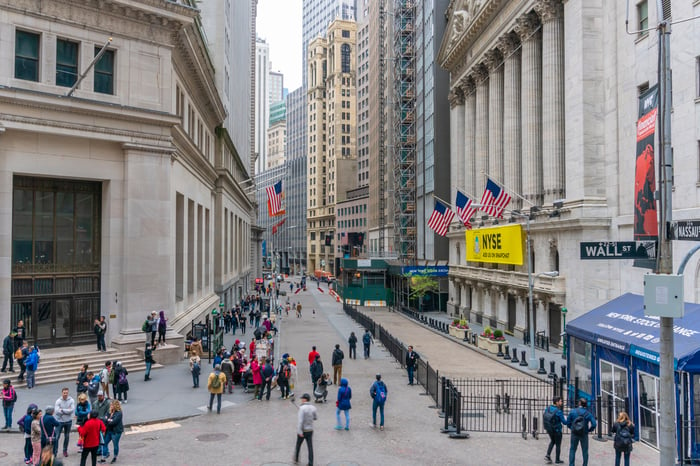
262 102
275 87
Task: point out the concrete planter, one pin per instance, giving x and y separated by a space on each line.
482 342
458 332
490 345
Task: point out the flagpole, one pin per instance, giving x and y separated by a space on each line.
500 183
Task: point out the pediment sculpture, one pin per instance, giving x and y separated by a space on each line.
463 16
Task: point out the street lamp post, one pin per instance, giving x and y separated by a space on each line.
530 282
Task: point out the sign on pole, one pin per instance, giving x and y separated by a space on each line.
602 250
686 230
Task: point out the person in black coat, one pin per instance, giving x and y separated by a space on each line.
352 343
316 371
49 424
624 436
411 361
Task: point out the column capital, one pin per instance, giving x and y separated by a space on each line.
467 85
456 96
508 43
480 73
549 10
493 60
526 25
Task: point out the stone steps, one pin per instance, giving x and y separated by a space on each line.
57 367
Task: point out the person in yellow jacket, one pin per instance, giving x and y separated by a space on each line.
215 385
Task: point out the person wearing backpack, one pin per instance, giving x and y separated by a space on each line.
122 382
215 385
106 378
343 404
581 422
32 365
9 397
378 392
267 372
624 438
366 341
552 421
283 375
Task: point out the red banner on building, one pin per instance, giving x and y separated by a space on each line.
646 225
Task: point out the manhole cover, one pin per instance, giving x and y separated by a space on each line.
132 446
211 437
343 463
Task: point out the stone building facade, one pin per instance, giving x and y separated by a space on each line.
544 97
123 197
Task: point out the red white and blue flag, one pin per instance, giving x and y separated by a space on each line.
440 219
465 211
274 199
494 199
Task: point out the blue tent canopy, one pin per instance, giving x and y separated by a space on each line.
621 325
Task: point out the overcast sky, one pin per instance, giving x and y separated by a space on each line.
279 23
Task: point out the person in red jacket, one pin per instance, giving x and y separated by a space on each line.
90 431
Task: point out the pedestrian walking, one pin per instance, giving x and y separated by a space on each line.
581 422
411 360
366 342
49 428
114 428
305 427
148 359
32 366
9 397
227 367
378 392
100 329
63 412
552 420
196 370
284 373
298 310
337 363
35 435
25 426
120 377
352 343
162 327
90 432
316 371
8 352
215 385
624 438
267 373
242 321
343 404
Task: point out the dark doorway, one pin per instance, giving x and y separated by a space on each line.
511 313
554 324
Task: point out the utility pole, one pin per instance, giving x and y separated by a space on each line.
667 389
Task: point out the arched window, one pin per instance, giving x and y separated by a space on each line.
345 58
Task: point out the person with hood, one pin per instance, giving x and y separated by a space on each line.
26 427
9 396
343 404
148 359
352 343
316 370
90 431
49 428
63 412
32 364
162 327
624 437
255 370
115 427
337 362
120 374
215 385
227 368
284 373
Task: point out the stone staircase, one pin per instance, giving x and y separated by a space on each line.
63 364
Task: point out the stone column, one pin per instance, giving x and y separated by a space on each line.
531 94
469 92
502 307
6 188
542 314
147 265
481 155
512 153
551 13
494 64
521 316
457 162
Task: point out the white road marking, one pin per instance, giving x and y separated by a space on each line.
152 428
224 404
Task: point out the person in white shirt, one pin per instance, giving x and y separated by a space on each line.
305 427
63 412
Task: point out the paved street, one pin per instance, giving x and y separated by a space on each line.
254 433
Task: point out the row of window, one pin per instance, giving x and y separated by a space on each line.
28 59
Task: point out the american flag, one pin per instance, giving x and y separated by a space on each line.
465 211
494 199
275 228
440 219
274 199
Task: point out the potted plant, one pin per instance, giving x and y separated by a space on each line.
485 338
495 338
459 328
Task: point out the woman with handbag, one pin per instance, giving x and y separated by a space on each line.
115 428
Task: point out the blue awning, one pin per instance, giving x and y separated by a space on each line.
622 326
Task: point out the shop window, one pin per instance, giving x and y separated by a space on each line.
104 72
27 55
648 390
66 63
581 359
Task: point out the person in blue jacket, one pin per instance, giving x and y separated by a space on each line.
581 422
49 427
554 430
32 364
343 404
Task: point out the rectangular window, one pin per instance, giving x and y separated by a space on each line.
66 63
26 56
104 72
643 16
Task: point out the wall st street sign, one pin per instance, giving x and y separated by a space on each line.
605 250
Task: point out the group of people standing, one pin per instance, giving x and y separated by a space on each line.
16 348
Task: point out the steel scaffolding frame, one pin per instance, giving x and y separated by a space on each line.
404 156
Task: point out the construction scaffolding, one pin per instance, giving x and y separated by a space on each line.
382 126
404 162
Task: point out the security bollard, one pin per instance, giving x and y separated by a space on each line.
552 370
541 370
506 353
563 372
500 350
523 361
474 339
515 356
466 337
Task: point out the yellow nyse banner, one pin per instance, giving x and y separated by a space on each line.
501 245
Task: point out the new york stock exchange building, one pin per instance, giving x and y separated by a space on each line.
122 195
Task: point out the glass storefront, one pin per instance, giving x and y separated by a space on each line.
581 361
613 385
56 258
648 408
